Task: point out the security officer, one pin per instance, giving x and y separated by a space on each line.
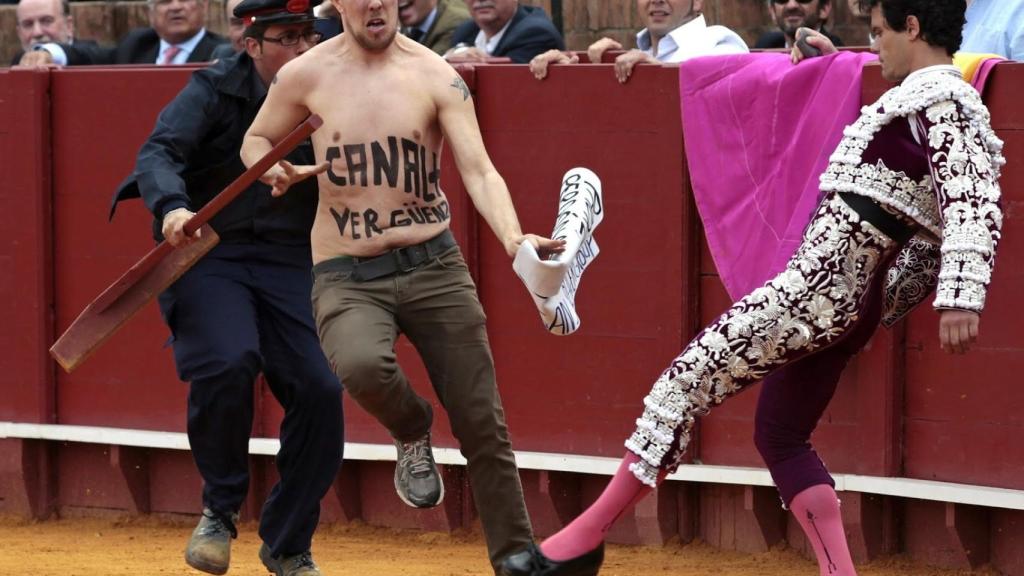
245 306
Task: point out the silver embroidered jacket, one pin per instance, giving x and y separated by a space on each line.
955 199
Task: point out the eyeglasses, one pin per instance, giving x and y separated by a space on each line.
291 38
781 2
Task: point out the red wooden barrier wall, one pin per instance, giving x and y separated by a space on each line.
903 409
580 394
26 373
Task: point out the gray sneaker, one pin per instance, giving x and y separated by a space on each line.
298 565
209 548
417 480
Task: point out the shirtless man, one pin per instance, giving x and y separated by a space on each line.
385 260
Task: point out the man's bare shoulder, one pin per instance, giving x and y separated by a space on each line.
311 64
445 82
425 60
291 75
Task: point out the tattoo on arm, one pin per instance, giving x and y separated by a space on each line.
274 81
460 85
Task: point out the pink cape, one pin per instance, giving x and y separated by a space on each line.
758 133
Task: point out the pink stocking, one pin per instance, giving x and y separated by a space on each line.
817 511
587 531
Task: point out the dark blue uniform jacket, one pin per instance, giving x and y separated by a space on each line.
192 155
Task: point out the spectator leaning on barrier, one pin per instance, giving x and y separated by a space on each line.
177 35
244 307
675 31
996 27
432 22
503 28
42 21
790 15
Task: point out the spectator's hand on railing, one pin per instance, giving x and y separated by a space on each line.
463 53
36 58
539 64
597 49
624 63
815 40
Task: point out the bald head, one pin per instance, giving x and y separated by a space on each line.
41 21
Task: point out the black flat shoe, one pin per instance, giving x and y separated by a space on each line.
533 562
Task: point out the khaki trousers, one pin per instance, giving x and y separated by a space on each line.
437 308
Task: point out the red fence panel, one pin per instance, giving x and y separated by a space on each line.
27 473
581 393
26 283
100 118
965 414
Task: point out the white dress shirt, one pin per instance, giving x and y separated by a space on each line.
186 48
488 45
695 38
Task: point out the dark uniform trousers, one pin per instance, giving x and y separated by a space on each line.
437 308
241 309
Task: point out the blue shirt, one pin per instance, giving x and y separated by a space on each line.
995 26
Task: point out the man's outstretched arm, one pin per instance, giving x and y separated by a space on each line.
485 186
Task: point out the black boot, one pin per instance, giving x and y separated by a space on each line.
533 562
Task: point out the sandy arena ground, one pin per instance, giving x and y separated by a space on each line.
144 546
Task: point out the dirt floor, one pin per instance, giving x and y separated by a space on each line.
143 546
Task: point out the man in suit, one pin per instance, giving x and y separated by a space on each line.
42 21
503 28
177 35
432 22
790 15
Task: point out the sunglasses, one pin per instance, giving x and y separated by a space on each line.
781 2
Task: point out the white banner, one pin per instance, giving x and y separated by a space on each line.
553 283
